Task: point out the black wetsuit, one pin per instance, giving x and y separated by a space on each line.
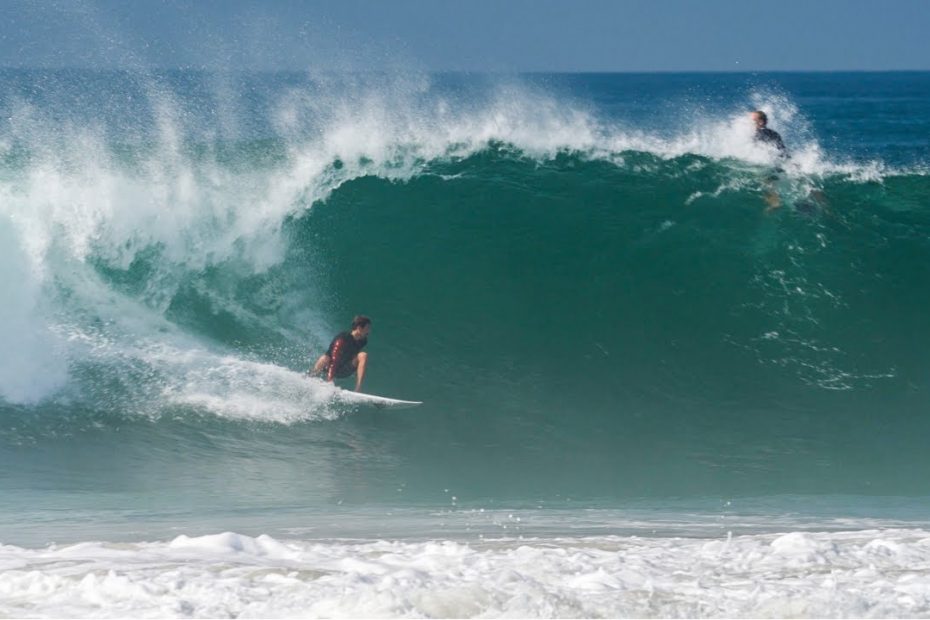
769 137
342 351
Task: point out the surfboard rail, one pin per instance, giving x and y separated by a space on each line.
380 402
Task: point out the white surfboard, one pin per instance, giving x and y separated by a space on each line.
381 402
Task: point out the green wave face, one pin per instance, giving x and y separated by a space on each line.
583 329
576 319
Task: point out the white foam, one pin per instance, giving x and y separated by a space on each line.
229 542
234 388
394 131
178 370
161 367
873 573
31 365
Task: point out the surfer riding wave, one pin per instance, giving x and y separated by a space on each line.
345 356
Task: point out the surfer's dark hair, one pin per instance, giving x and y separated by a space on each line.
360 321
762 116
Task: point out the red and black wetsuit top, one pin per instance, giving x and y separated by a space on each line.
342 350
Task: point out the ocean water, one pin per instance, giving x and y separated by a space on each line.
647 391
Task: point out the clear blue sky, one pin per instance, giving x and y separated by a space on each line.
470 35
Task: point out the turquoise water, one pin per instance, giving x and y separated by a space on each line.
576 273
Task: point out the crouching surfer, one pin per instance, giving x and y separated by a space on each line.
345 356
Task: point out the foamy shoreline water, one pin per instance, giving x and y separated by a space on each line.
862 573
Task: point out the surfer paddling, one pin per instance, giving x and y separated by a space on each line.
345 356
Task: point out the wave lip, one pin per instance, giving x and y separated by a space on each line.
879 573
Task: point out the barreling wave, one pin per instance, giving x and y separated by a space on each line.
559 275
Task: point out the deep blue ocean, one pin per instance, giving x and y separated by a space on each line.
625 317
